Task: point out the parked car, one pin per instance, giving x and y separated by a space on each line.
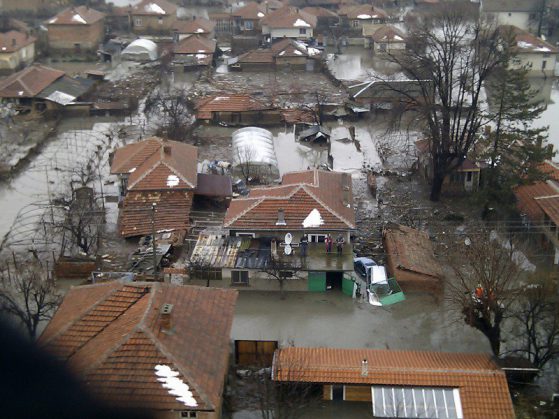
363 266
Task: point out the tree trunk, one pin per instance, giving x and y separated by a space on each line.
436 187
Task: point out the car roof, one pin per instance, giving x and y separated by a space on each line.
364 260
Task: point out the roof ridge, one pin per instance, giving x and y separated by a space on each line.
334 213
184 371
250 208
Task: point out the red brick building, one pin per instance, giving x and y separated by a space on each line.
77 28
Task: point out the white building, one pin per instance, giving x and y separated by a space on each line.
520 13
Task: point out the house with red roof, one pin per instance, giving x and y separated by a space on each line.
538 205
153 16
290 223
236 109
288 22
400 384
247 18
150 347
194 51
157 179
76 28
196 26
17 49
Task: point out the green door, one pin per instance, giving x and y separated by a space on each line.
317 281
347 285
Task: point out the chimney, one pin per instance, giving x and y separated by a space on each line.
165 318
364 368
281 218
167 149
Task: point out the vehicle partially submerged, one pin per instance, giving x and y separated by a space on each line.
381 290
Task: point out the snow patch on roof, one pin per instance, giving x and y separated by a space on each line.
61 98
176 387
79 19
398 38
364 17
313 220
298 52
154 8
172 180
522 44
260 14
301 23
53 20
199 30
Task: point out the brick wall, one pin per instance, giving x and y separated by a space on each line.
65 37
149 24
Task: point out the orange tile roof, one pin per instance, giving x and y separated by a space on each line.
29 82
195 44
359 12
287 16
550 169
147 7
252 11
152 162
411 250
388 33
110 335
525 42
482 385
283 48
525 197
172 212
298 195
81 15
12 41
550 206
229 103
199 25
319 11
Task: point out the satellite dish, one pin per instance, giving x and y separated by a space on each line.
287 249
288 238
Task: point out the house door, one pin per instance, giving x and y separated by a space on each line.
469 181
317 281
310 65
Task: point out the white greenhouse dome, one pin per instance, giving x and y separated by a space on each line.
140 50
255 146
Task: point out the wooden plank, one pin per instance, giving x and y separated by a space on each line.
358 393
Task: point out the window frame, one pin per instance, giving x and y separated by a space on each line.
241 273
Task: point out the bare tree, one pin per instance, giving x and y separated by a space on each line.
487 279
450 55
28 294
282 271
537 315
173 113
245 156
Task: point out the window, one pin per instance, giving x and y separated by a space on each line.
249 25
383 47
416 402
302 31
239 277
160 20
510 14
253 235
355 23
544 63
187 414
138 21
316 238
469 177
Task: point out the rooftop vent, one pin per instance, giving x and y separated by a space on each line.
281 218
165 318
364 368
167 149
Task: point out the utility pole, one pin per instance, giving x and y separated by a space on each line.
153 209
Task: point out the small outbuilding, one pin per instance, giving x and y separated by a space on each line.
140 50
411 260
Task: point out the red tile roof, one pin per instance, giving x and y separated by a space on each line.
283 48
154 7
157 164
29 82
482 385
195 44
110 334
252 11
12 41
172 212
525 42
363 12
81 15
411 250
229 103
550 206
288 17
199 25
388 33
298 195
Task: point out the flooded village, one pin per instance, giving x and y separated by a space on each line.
280 208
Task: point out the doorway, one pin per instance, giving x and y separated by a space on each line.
334 281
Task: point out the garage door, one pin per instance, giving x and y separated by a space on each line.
317 281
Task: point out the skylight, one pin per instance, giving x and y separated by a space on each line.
416 402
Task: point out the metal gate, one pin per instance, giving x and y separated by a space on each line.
317 281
